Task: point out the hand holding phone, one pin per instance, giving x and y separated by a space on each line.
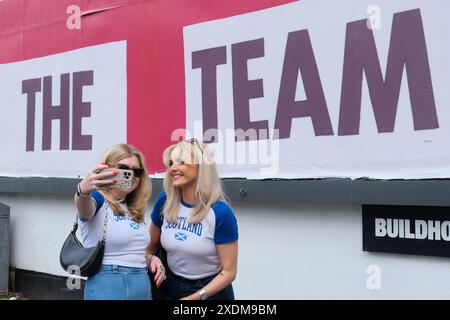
124 178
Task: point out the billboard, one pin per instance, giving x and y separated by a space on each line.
279 89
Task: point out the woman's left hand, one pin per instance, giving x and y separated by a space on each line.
157 267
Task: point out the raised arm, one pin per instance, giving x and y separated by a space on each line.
94 180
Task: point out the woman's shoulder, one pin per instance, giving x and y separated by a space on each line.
226 229
99 200
158 208
97 195
221 208
161 195
161 198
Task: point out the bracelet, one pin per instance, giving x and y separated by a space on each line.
79 193
203 294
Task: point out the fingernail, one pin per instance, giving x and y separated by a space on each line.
115 180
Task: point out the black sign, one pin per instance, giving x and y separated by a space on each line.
407 229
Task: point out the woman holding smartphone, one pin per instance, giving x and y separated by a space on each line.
123 274
195 226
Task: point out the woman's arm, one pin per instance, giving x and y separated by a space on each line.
94 180
228 259
85 206
153 262
155 235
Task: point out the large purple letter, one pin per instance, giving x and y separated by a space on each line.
208 60
299 56
80 110
30 87
407 49
244 89
60 112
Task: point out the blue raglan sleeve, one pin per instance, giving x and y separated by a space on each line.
226 224
99 200
157 213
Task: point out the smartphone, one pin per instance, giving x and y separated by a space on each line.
124 178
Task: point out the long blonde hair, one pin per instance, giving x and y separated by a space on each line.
208 189
137 199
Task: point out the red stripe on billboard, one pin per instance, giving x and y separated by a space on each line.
154 34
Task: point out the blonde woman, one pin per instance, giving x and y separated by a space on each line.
123 274
195 226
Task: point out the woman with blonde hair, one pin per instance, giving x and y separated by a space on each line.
195 226
123 274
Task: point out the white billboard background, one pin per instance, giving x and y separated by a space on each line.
404 153
106 124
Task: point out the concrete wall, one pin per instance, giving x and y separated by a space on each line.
285 251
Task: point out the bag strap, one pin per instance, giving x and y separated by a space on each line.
105 224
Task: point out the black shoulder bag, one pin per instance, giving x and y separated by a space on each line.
74 256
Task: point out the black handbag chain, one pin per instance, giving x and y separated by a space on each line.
105 224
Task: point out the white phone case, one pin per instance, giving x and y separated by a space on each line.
124 178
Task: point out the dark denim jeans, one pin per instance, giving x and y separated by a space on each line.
178 287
